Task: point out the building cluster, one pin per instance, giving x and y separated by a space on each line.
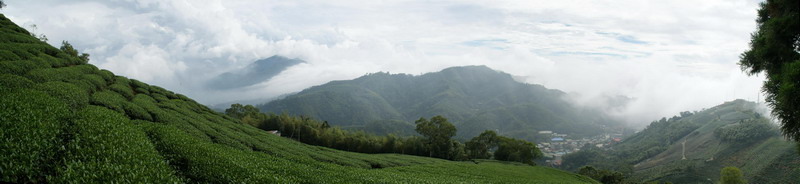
561 144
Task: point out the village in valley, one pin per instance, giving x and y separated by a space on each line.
561 144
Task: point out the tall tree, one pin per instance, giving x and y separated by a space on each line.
775 50
478 147
438 133
239 111
731 175
517 150
67 48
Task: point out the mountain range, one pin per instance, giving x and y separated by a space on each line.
474 98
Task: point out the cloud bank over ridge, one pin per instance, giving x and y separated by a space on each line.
666 56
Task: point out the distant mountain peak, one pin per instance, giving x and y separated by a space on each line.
475 98
256 72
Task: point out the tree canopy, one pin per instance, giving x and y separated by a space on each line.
775 50
731 175
438 133
67 48
478 147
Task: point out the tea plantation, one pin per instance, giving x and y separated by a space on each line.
65 121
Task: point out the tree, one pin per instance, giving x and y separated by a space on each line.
326 125
478 147
517 150
437 132
602 175
2 4
239 111
731 175
775 50
67 48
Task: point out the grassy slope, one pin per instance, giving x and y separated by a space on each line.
66 121
755 159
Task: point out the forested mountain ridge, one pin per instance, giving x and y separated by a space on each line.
474 98
65 121
693 147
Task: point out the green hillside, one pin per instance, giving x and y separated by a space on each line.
731 134
65 121
475 98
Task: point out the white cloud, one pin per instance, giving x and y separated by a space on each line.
669 56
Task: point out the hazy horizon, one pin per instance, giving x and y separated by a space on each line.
667 56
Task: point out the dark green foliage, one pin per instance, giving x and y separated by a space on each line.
746 131
8 82
604 176
8 56
74 96
774 50
55 74
122 89
106 147
69 50
517 150
731 175
18 67
107 75
109 99
438 133
478 147
436 142
31 123
586 156
94 81
239 111
140 87
136 112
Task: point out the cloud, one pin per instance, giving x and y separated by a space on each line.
667 56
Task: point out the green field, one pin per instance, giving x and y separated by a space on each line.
66 121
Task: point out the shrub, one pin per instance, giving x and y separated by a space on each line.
122 90
6 55
18 49
108 99
74 96
108 148
30 125
17 67
54 74
149 105
95 80
8 82
107 75
138 84
136 112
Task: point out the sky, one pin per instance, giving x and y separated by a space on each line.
666 56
